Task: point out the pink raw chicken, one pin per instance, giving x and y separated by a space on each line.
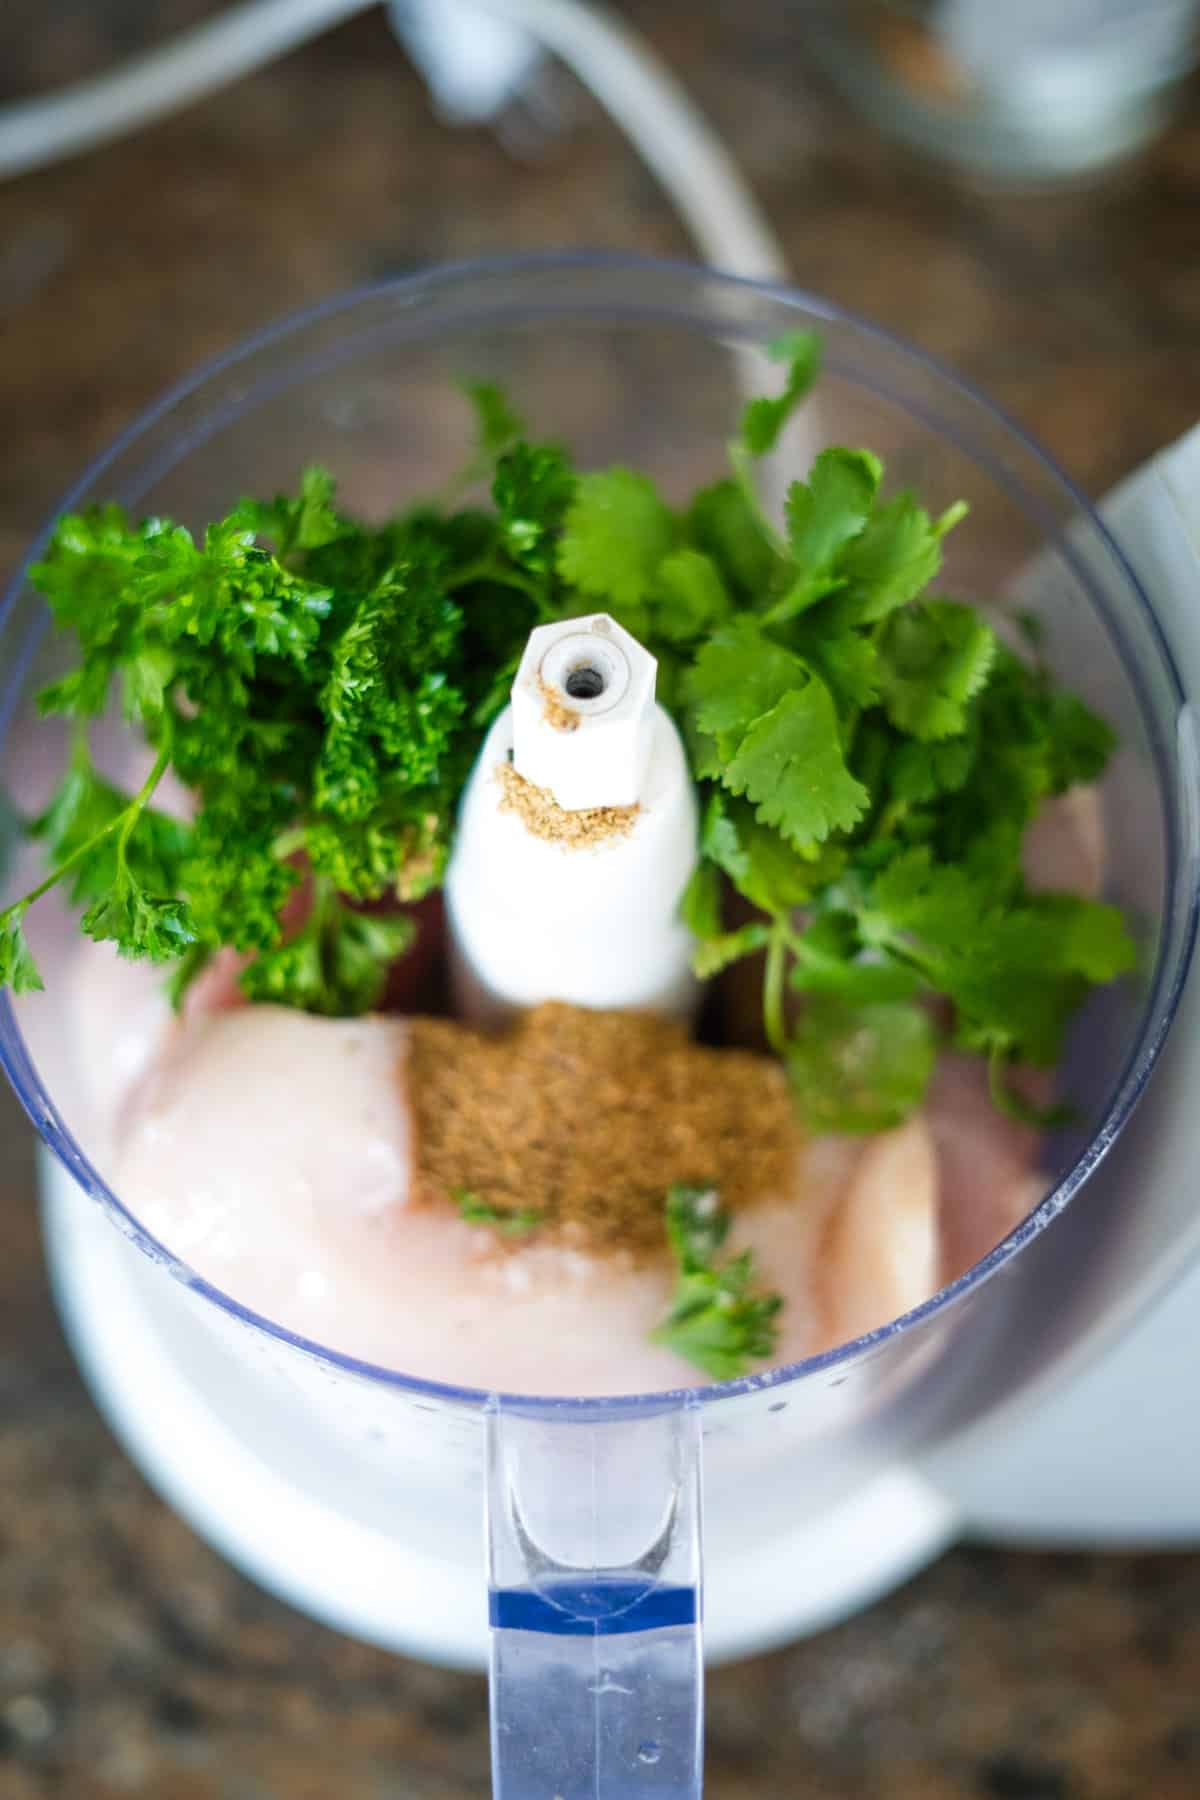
270 1150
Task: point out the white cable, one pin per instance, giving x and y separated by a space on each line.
629 81
91 113
651 108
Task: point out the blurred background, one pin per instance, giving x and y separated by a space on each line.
1017 190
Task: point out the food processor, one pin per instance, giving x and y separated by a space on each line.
367 1497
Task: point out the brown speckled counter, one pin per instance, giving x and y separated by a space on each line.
132 1661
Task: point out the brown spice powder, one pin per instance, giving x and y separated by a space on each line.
590 1116
540 813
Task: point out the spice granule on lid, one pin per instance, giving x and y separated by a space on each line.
557 714
541 814
588 1117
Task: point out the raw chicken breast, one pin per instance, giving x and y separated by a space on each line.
270 1150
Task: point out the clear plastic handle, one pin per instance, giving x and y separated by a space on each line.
594 1598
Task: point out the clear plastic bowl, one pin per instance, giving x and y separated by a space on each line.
265 1439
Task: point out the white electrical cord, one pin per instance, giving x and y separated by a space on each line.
197 62
628 80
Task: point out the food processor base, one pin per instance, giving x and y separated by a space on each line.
368 1583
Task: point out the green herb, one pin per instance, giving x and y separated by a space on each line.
869 755
764 419
718 1320
872 757
509 1221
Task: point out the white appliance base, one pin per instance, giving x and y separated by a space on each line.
266 1526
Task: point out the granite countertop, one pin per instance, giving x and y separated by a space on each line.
132 1660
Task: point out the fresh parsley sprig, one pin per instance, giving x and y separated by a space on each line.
719 1319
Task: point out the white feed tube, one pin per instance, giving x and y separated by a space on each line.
593 922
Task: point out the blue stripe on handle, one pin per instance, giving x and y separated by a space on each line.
599 1608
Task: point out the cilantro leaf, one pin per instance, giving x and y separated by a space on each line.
690 599
722 523
791 764
846 661
717 1320
1079 744
727 947
933 658
764 419
700 907
616 533
739 675
860 1068
918 772
830 959
509 1221
892 560
825 514
1016 970
764 868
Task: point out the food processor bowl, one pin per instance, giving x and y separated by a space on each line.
358 1492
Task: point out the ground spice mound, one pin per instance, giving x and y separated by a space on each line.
540 813
590 1116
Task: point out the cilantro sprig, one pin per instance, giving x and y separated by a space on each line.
871 757
869 754
720 1319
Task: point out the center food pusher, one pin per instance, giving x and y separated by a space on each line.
358 1491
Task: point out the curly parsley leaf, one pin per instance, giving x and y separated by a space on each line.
140 924
533 487
335 964
720 1320
390 708
497 423
304 521
18 970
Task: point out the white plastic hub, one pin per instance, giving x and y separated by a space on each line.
583 713
594 924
